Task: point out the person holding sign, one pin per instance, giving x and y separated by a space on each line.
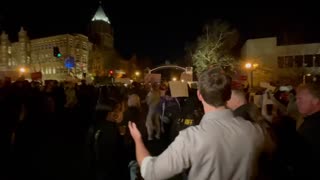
220 147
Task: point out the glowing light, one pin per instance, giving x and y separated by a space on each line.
137 73
100 16
174 79
248 65
22 70
308 74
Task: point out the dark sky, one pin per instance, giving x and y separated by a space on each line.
160 30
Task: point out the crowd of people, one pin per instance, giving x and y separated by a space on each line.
62 130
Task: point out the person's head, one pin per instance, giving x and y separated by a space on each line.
238 98
214 88
155 87
134 101
308 98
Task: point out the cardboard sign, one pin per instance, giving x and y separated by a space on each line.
152 78
265 84
257 99
179 89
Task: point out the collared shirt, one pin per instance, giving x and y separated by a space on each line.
220 147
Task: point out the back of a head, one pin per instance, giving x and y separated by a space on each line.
215 87
134 101
238 99
240 94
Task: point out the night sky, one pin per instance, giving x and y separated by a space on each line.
160 30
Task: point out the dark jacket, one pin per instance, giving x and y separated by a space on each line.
310 133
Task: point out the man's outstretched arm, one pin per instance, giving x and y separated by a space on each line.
141 150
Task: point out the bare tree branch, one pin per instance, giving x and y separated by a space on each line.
213 47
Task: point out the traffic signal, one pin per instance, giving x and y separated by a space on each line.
56 52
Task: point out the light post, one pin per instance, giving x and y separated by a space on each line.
251 67
137 74
22 70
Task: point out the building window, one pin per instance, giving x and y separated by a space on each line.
298 61
53 70
23 59
288 61
281 62
317 60
308 61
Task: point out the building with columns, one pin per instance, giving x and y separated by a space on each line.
93 55
37 55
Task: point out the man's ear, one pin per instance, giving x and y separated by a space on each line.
199 96
316 101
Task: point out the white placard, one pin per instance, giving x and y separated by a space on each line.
265 84
178 89
152 78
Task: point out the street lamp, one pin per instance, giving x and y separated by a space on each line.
251 67
137 74
22 70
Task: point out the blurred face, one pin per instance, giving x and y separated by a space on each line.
306 102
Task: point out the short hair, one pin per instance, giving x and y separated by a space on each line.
240 94
134 101
313 88
215 87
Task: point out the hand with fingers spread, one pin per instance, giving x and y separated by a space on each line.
134 131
